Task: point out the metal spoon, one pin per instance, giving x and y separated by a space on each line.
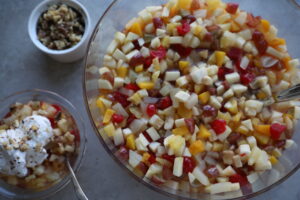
78 190
289 94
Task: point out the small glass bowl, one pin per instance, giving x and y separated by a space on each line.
118 14
13 192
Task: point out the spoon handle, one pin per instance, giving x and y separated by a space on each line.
79 192
289 94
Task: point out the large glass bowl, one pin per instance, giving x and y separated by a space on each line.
282 13
13 192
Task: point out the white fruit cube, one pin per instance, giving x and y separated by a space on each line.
127 47
118 137
104 84
197 74
153 133
232 78
154 146
134 158
182 81
176 40
178 166
182 96
244 150
248 123
156 121
153 169
172 75
118 82
200 176
155 43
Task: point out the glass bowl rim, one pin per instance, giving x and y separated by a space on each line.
79 159
114 157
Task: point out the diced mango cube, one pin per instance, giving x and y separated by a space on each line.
184 112
234 27
204 97
265 25
184 65
107 116
220 56
203 132
183 130
109 129
139 68
146 156
213 4
146 85
130 142
137 28
262 139
184 4
263 129
273 160
197 147
122 71
277 41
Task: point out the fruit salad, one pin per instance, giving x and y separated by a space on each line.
188 96
35 138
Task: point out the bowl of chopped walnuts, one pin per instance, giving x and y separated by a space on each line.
61 29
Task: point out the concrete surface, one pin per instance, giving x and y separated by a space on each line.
22 66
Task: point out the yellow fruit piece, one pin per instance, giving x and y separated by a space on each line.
109 129
176 143
139 68
263 129
237 117
225 116
197 30
155 76
273 160
184 4
234 27
242 130
217 147
262 139
198 88
234 108
130 142
204 97
100 105
122 71
261 95
287 115
184 112
197 147
277 41
182 131
135 98
183 65
136 27
166 41
286 63
146 156
265 25
107 116
220 56
146 85
174 10
213 4
203 132
171 27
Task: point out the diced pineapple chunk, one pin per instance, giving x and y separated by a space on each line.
136 27
203 132
182 131
184 4
122 71
130 142
135 98
183 65
176 143
100 105
139 68
273 160
146 85
109 129
107 116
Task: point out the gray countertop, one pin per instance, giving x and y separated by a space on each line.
22 66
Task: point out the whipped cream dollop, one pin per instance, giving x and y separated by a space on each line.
24 147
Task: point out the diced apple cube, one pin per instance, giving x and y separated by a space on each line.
134 158
178 166
172 75
273 52
138 125
139 145
214 102
112 47
118 137
296 112
244 150
232 78
237 161
153 133
154 146
103 70
182 96
248 124
239 89
155 43
226 133
127 47
176 40
131 37
228 171
154 169
169 123
200 176
241 18
104 84
222 187
156 121
131 54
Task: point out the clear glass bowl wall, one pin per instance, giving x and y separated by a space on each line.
13 192
282 13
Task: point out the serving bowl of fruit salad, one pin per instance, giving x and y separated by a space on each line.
182 94
38 131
